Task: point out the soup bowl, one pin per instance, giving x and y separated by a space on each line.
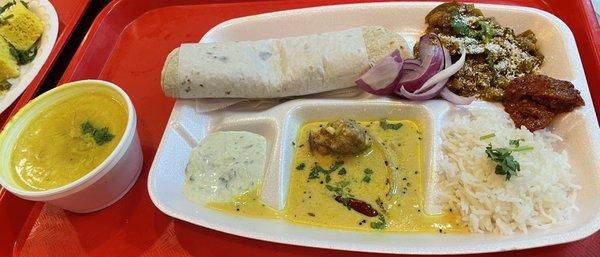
97 189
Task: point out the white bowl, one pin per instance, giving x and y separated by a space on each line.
98 189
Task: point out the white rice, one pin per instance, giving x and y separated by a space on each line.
541 195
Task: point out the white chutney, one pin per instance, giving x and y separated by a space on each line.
224 165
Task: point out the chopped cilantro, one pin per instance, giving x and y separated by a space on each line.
381 224
4 20
6 6
342 171
87 128
23 56
385 125
316 170
336 165
486 30
300 166
460 27
5 85
101 136
515 142
367 178
522 148
340 189
336 190
505 163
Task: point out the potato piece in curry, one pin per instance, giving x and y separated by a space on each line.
341 137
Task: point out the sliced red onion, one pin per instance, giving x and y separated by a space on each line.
413 61
449 70
411 66
446 93
383 77
454 98
433 92
436 84
431 58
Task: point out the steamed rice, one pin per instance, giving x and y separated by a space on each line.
541 195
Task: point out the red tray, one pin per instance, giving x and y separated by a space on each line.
127 45
69 13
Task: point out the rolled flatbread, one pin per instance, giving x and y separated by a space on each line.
276 68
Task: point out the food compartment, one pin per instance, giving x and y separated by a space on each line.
302 112
268 128
577 141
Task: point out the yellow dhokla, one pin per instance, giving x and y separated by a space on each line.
21 28
8 64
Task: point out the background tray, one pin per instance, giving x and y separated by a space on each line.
117 48
69 13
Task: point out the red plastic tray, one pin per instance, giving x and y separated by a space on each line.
127 44
69 13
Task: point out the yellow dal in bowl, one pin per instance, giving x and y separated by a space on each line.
68 140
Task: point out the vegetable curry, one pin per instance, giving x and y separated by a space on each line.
495 54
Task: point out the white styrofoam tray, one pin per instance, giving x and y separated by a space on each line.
45 11
279 123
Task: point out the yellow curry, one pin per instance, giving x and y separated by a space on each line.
68 140
380 188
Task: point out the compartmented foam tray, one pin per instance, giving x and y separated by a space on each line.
134 226
280 123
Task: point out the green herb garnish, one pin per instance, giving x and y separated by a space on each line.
6 6
300 166
381 224
484 137
4 20
336 190
24 56
5 85
489 59
336 165
515 142
340 189
101 136
367 178
522 148
316 170
486 30
342 171
385 125
505 163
